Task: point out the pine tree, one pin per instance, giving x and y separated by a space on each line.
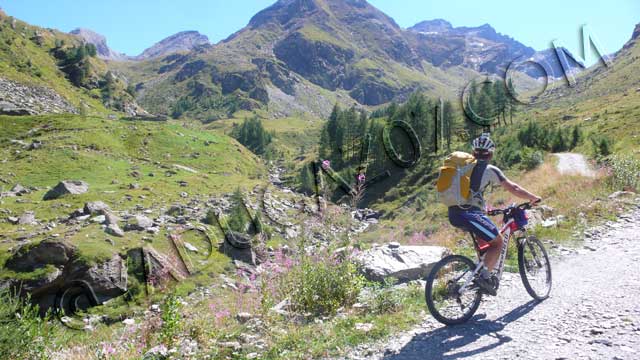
576 136
307 180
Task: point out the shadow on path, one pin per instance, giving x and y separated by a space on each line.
437 343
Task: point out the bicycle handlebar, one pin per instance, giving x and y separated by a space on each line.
524 206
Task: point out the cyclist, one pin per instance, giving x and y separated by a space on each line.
471 216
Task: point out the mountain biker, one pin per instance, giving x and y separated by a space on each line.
471 216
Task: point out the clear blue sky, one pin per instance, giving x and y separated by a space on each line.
133 25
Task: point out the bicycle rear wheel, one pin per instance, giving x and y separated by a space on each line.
535 268
442 294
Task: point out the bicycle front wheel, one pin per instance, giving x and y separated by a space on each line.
445 300
535 268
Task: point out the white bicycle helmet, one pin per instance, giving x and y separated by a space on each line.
483 143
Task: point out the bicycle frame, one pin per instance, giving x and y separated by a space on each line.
508 229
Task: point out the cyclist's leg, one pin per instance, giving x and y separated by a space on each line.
479 224
493 253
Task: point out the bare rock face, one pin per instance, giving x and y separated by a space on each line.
73 187
404 263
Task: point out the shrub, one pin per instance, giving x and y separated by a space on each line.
601 146
24 334
322 286
625 173
531 158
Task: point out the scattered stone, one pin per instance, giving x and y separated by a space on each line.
243 317
184 195
134 186
114 229
27 218
365 327
73 187
19 190
110 218
96 207
622 195
190 247
185 168
98 219
138 223
36 144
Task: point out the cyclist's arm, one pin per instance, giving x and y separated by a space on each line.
518 190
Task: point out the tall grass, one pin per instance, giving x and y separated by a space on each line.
24 334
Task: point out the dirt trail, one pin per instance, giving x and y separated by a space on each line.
593 311
574 164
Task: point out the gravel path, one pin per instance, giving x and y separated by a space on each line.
593 311
574 164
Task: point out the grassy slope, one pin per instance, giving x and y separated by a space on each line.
104 153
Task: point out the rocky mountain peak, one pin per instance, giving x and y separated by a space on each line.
284 11
636 32
182 41
103 50
432 26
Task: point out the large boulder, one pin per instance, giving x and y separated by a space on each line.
106 280
73 187
31 257
404 263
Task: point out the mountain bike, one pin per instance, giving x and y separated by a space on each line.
451 292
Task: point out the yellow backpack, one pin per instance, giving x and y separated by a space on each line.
454 181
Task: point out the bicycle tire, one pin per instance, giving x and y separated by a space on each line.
431 305
530 243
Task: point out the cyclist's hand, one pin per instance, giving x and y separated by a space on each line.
535 200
